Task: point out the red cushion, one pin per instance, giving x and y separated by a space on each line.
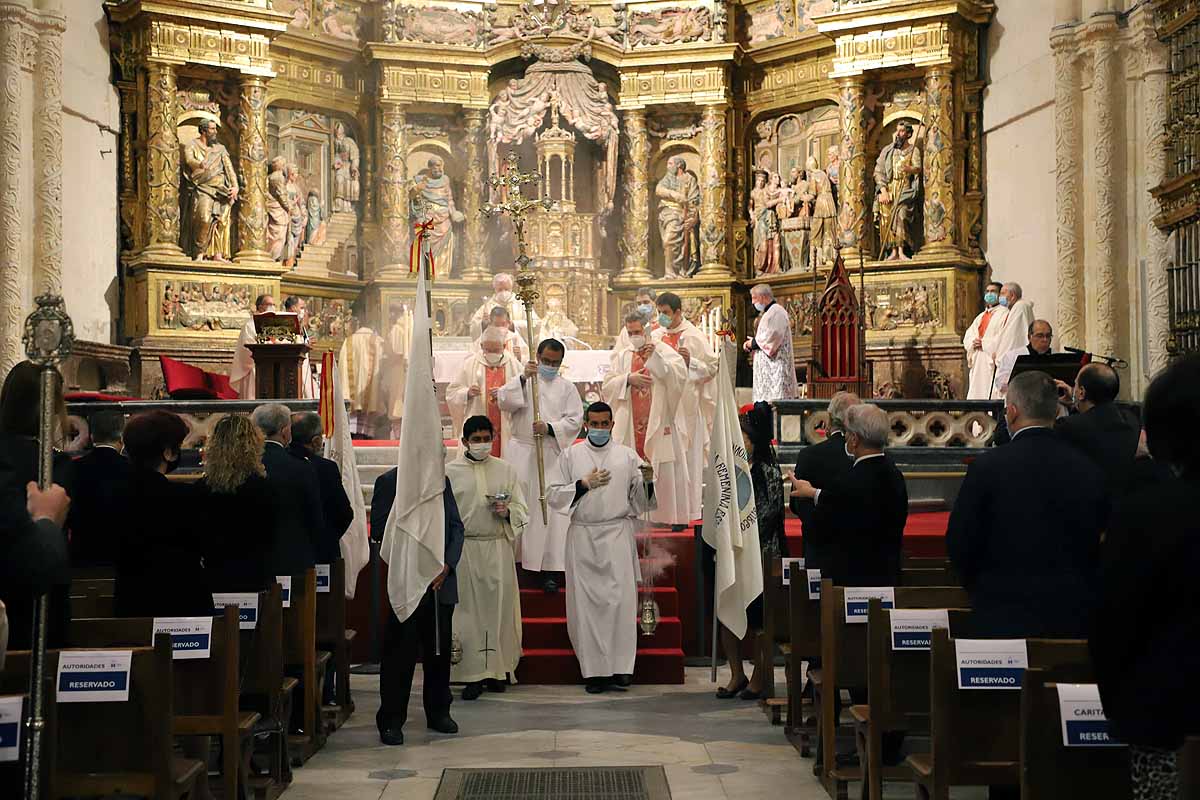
90 397
219 385
184 381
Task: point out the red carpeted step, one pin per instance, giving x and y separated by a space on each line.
536 603
550 633
661 570
559 666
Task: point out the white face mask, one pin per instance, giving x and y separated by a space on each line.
504 295
637 342
479 450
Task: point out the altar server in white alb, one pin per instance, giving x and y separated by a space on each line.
542 547
488 618
695 414
604 486
476 387
241 372
771 349
981 341
644 387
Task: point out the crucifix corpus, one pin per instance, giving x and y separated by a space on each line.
507 186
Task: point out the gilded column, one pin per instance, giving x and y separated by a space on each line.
1154 121
131 230
12 24
853 170
941 190
48 154
1068 145
475 261
369 144
252 163
162 162
635 185
714 193
393 188
1104 86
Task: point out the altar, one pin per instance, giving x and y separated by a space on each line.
581 367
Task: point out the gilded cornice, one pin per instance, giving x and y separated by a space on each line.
420 73
241 17
312 81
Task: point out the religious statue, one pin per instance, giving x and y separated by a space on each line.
557 325
345 170
824 211
679 219
278 211
210 190
297 217
897 193
314 232
795 221
833 168
432 186
765 199
669 26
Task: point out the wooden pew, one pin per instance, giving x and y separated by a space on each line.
975 734
206 690
897 697
93 593
844 664
1050 770
267 689
928 576
804 623
302 660
333 636
101 749
1189 769
12 773
775 635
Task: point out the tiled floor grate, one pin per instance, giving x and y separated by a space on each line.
574 783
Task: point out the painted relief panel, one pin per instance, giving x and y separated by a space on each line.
187 305
913 306
768 20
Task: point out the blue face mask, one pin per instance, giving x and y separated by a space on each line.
549 373
1004 301
664 320
760 307
991 298
646 310
599 436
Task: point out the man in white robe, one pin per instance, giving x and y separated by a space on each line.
1040 336
604 487
980 342
475 389
771 349
644 302
503 296
309 386
698 404
399 341
241 373
487 621
644 388
1014 330
361 374
513 341
542 547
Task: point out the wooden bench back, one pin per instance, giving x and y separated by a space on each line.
12 773
262 647
975 732
1050 770
1189 769
331 605
93 594
300 620
804 619
929 576
776 602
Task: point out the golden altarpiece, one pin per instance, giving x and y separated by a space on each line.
289 146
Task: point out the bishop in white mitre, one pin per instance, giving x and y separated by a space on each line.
604 486
980 341
645 386
542 547
694 418
475 389
503 297
241 372
487 620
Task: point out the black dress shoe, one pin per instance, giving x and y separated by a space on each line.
746 694
493 685
443 725
392 737
550 586
596 685
623 681
724 693
472 690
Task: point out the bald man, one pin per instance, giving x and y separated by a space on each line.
1100 429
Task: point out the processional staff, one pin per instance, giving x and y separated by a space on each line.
509 182
49 335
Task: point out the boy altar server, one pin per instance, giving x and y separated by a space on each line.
488 618
474 390
603 486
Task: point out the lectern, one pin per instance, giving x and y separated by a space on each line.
278 356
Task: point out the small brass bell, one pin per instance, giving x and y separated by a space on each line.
456 650
648 616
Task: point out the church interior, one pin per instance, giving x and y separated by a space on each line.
876 163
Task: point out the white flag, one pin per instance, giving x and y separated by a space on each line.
730 518
414 540
356 550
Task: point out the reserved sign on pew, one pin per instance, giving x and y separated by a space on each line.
93 676
246 602
858 599
285 586
323 577
10 728
1083 720
912 628
814 584
790 564
191 637
991 663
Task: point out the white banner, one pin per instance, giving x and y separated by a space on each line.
191 637
247 605
93 676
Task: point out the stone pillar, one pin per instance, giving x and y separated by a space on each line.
1068 144
852 179
252 164
12 225
1154 121
162 162
475 260
714 193
635 184
1102 108
941 164
48 154
393 189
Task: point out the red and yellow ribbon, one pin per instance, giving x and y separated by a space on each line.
420 229
325 407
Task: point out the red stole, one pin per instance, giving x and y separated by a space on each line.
640 403
983 323
494 380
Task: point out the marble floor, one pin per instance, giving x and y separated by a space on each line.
710 748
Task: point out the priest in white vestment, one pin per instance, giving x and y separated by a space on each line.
487 621
698 404
980 341
513 341
399 340
475 389
771 349
604 487
309 386
1014 330
644 302
241 372
361 374
645 387
542 547
503 297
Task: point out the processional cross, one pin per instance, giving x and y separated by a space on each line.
508 184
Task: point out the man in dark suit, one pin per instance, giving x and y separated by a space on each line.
307 443
1025 530
294 482
867 507
1101 430
401 639
822 465
100 496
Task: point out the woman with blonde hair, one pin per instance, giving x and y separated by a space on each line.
235 495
